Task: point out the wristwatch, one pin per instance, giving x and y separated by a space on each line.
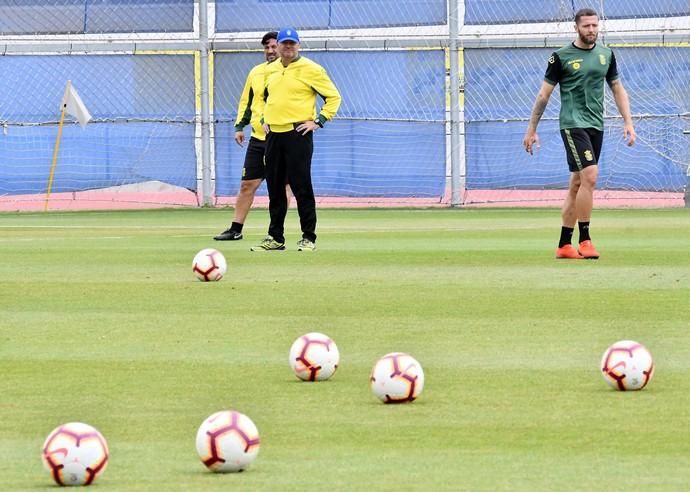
318 122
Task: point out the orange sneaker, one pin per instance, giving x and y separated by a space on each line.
587 250
568 252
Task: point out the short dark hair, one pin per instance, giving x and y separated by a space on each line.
268 36
586 12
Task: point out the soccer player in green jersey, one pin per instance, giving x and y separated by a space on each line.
581 69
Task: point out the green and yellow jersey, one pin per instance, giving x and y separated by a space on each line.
291 94
251 105
581 74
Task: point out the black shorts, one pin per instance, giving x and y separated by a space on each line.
582 146
254 160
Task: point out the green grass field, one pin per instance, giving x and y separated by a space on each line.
102 321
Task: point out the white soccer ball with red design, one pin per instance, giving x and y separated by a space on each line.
314 357
209 265
75 454
627 365
397 378
227 441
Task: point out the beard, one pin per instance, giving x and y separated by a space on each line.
587 39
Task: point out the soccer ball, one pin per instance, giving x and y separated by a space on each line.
397 378
75 454
209 265
314 357
627 365
227 441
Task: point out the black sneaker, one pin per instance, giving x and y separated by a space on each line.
228 235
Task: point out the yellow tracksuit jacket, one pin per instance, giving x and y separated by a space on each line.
251 105
291 94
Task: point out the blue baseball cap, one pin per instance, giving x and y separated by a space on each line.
288 34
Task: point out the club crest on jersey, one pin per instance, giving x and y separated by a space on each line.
602 59
576 64
588 155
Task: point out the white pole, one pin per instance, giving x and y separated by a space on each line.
687 179
456 142
206 184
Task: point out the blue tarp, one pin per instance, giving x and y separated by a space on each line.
388 139
500 88
511 11
95 16
158 88
259 15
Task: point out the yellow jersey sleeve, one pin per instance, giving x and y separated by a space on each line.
251 104
324 87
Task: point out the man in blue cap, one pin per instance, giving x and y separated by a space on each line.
290 119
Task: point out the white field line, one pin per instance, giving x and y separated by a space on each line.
259 230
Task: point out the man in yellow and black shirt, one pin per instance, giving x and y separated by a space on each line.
249 111
581 68
290 119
